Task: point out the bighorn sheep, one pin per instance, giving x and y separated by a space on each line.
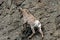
30 19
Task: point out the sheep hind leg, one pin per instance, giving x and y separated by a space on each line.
41 32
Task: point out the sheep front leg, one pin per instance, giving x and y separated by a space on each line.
24 23
32 31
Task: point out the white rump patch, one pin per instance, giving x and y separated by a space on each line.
37 23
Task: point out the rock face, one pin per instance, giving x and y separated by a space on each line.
47 11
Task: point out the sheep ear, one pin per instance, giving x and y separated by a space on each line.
27 11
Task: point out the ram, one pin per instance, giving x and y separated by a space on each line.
31 20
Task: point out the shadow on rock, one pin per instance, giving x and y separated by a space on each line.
27 31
